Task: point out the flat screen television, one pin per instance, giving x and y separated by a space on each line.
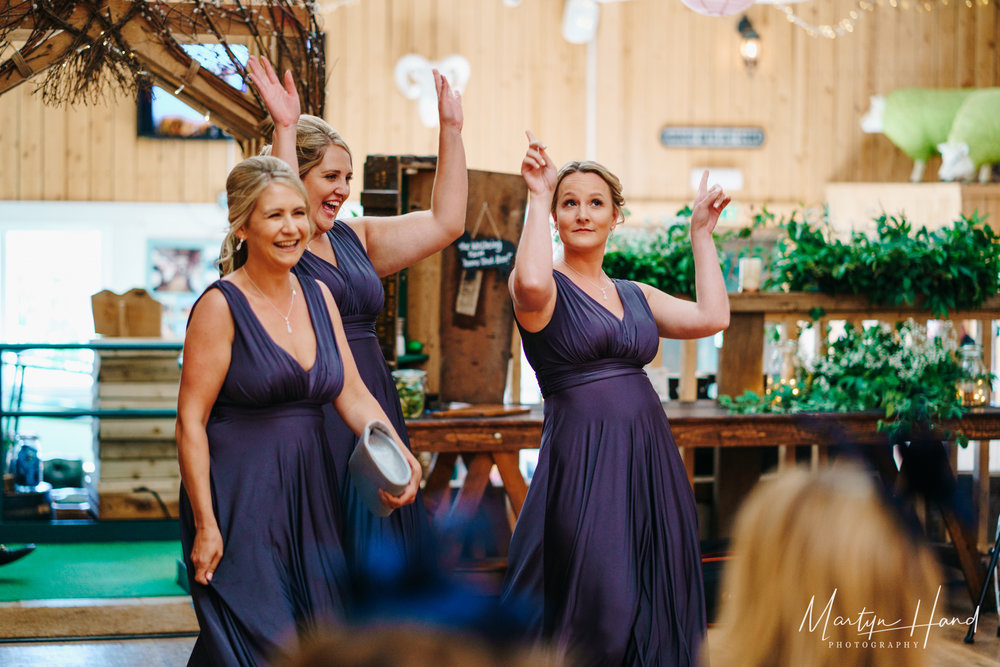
163 116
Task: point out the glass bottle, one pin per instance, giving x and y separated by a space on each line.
973 387
24 463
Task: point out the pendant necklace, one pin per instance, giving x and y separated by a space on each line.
600 286
291 303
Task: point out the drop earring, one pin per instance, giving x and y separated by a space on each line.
239 246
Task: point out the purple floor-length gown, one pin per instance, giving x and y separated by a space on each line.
357 289
274 492
606 549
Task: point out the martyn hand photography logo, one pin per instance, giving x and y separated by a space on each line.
875 631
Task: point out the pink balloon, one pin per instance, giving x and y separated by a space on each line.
718 7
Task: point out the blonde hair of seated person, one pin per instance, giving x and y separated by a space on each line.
828 534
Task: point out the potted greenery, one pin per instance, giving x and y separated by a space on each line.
899 370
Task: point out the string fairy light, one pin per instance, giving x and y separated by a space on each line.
846 24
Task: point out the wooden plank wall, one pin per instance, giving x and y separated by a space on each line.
91 153
658 63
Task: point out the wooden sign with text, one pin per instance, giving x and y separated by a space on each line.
485 253
686 136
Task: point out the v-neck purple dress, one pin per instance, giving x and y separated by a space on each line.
358 291
606 549
275 494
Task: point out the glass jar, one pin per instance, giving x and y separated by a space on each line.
781 372
411 384
783 364
24 463
973 387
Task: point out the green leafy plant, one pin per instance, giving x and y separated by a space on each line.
901 371
951 268
954 267
662 258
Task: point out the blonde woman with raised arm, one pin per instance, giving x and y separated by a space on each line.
349 256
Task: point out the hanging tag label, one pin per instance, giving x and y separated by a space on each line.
468 293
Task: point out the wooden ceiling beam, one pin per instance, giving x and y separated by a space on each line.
47 43
183 18
34 59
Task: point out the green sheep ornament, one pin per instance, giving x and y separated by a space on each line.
916 120
974 140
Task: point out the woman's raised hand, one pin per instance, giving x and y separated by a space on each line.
708 206
449 103
537 169
282 100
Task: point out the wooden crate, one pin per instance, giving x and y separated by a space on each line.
138 499
137 395
145 368
138 475
153 428
138 449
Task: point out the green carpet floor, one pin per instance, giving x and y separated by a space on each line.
91 570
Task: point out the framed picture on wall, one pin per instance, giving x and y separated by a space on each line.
178 271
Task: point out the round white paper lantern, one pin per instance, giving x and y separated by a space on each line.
718 7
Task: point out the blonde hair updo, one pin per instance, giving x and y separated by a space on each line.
243 186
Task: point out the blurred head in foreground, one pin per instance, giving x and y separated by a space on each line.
809 548
407 610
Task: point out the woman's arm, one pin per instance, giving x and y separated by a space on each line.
399 241
207 349
709 312
357 407
282 103
532 287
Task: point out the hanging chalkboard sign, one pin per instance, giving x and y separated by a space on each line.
684 136
485 253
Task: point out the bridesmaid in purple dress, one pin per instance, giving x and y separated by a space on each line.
265 351
606 549
350 256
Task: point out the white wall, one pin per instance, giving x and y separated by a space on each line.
125 229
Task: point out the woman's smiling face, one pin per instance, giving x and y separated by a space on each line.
328 185
278 228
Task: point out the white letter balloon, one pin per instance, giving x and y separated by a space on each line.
415 80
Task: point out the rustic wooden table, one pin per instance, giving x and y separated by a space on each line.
483 442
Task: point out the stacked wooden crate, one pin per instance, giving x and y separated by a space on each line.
137 471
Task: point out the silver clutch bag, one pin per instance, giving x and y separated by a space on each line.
377 463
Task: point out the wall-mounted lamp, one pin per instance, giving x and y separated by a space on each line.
749 44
